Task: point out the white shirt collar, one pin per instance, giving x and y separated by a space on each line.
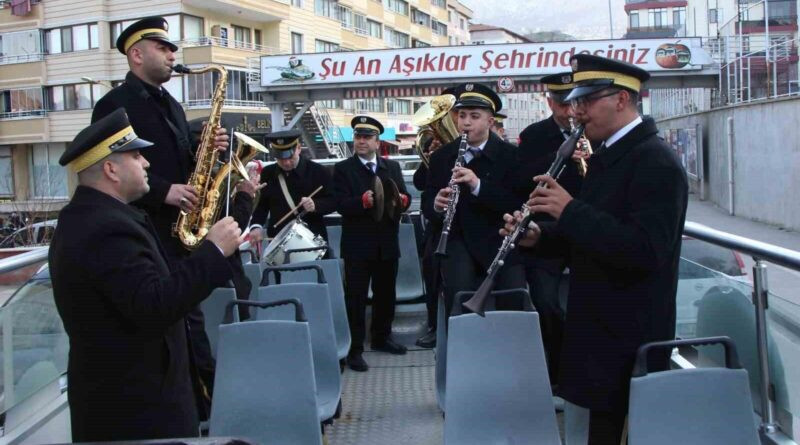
623 131
374 160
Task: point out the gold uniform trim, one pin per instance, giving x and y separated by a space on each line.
558 87
284 146
138 35
368 126
619 79
480 96
101 150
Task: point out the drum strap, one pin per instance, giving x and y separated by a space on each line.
285 189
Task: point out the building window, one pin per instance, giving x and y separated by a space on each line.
357 106
71 38
679 16
325 8
200 88
420 18
715 15
439 3
174 87
398 106
297 3
450 15
330 104
322 46
344 15
634 19
22 46
48 179
439 28
192 27
395 39
375 29
22 102
462 23
6 172
297 43
744 11
241 37
360 24
79 96
257 37
658 17
397 6
419 44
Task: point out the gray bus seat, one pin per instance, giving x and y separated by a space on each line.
517 297
264 387
409 275
332 272
335 240
498 390
316 303
253 273
213 309
706 406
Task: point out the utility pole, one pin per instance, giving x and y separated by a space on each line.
610 21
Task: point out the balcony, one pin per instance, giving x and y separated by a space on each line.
631 5
23 127
255 10
205 50
656 31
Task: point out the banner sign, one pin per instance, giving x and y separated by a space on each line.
453 62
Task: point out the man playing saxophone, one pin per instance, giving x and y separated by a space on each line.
157 117
486 182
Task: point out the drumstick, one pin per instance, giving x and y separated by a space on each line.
296 207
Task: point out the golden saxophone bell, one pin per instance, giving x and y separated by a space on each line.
434 121
583 145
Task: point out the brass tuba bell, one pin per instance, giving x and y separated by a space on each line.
434 121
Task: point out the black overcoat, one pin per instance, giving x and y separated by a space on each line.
478 219
624 236
304 179
362 237
538 144
123 309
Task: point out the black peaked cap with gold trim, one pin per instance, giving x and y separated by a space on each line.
152 28
283 143
366 125
558 85
111 134
475 95
594 73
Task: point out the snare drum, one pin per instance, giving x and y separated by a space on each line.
296 235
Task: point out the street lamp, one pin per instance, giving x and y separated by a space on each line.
104 83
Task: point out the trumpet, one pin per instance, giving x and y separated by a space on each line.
583 145
452 202
477 303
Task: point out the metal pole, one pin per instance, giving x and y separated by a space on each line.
767 45
760 291
610 21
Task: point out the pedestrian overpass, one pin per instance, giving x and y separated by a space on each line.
292 83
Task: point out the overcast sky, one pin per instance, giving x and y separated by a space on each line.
584 19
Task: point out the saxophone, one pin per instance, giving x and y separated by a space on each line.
192 227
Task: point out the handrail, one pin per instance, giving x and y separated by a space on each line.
15 262
757 249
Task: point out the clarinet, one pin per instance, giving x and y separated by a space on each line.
452 201
478 301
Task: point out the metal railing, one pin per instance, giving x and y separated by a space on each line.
227 43
331 135
11 115
761 253
206 103
21 58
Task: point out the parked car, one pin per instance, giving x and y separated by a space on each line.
714 257
32 235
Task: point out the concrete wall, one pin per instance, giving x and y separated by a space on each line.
765 147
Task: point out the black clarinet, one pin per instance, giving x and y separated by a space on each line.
452 201
478 301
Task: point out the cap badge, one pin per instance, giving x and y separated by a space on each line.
166 25
469 87
363 120
566 79
574 65
279 141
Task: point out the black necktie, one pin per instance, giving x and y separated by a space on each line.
476 153
371 167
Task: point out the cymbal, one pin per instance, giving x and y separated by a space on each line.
393 207
378 199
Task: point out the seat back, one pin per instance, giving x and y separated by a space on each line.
498 390
409 274
264 387
253 273
332 270
335 240
213 309
691 406
315 301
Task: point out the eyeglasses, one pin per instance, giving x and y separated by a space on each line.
586 100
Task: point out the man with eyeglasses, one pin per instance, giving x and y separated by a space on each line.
623 234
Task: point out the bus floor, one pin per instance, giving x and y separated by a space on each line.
394 403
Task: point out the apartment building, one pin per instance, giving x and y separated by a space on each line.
459 16
57 58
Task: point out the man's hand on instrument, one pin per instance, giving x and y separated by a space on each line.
220 138
463 175
308 204
551 199
404 200
255 236
251 186
182 196
226 235
435 145
531 235
441 200
368 199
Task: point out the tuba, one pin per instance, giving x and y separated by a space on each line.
192 227
434 121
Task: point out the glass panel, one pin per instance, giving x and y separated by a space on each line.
70 98
39 179
83 94
80 37
175 87
66 40
6 173
21 43
54 41
192 27
58 174
57 98
93 39
297 43
174 23
98 91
